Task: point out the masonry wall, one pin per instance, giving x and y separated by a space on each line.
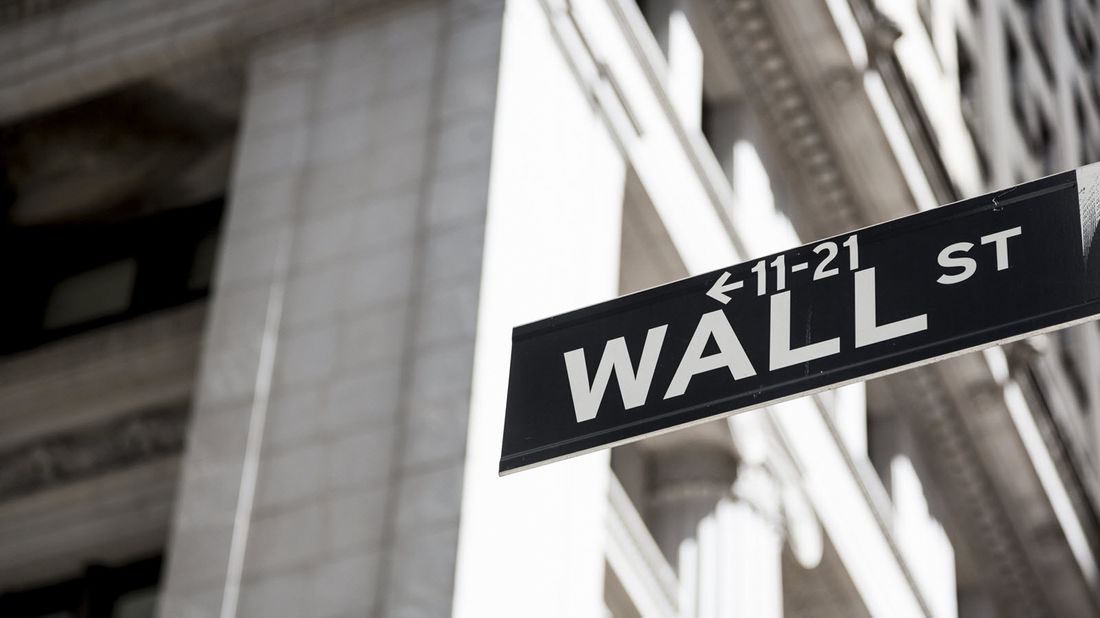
323 474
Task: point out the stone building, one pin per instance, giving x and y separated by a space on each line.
262 258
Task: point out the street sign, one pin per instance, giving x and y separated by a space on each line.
907 292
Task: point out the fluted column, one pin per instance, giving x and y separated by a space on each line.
718 525
750 534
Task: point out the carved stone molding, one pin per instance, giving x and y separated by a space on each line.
789 96
91 451
784 102
978 510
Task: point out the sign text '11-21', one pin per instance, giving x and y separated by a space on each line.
902 293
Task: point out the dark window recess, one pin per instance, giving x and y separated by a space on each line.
968 92
62 279
656 13
707 123
1082 128
1034 10
1073 371
1016 79
128 591
968 81
1095 89
1041 143
882 444
983 161
1082 40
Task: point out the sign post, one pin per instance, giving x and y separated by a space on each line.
911 291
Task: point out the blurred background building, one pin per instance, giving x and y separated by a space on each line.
260 260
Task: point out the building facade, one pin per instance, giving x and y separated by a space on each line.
263 259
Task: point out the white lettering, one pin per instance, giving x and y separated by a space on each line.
867 329
634 388
730 353
1000 239
968 265
781 353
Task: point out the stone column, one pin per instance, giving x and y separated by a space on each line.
750 528
718 524
324 469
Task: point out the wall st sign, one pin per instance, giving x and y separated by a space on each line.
903 293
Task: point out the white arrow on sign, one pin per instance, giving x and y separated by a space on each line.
719 289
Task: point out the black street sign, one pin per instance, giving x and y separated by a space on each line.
881 299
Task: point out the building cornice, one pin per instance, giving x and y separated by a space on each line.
813 100
55 52
785 103
976 510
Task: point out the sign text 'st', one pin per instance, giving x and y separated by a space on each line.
910 291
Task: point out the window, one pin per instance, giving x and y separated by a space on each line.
1016 79
62 279
1034 12
1095 89
1041 144
656 13
128 591
1073 369
983 161
1080 37
1082 128
968 94
968 81
102 291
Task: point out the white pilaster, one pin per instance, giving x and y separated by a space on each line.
685 69
749 529
532 544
